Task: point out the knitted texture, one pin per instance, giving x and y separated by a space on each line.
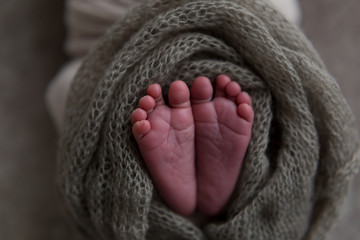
304 146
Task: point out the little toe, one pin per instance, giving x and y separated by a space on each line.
232 89
201 90
243 97
179 95
154 91
140 128
147 103
246 112
138 115
221 82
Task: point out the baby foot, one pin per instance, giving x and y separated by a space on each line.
165 136
222 130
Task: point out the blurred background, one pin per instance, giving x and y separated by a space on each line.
31 40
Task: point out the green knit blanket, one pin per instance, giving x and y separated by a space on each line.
304 146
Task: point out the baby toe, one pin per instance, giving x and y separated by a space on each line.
179 95
232 89
154 91
246 112
243 97
147 103
140 128
221 82
138 115
201 90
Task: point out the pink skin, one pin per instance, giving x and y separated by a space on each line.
222 134
219 130
165 136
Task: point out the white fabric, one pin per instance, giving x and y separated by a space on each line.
86 21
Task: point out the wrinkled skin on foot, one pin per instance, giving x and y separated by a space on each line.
210 133
165 135
222 134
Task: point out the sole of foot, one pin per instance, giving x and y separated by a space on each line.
165 136
222 134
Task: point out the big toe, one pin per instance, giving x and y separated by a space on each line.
201 90
179 95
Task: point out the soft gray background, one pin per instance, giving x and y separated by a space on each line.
31 36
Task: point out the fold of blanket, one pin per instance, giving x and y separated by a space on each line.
87 20
304 146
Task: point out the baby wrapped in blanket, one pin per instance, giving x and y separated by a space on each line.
301 152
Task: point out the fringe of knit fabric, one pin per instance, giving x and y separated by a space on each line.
86 22
304 146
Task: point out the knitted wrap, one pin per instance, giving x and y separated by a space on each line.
304 146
